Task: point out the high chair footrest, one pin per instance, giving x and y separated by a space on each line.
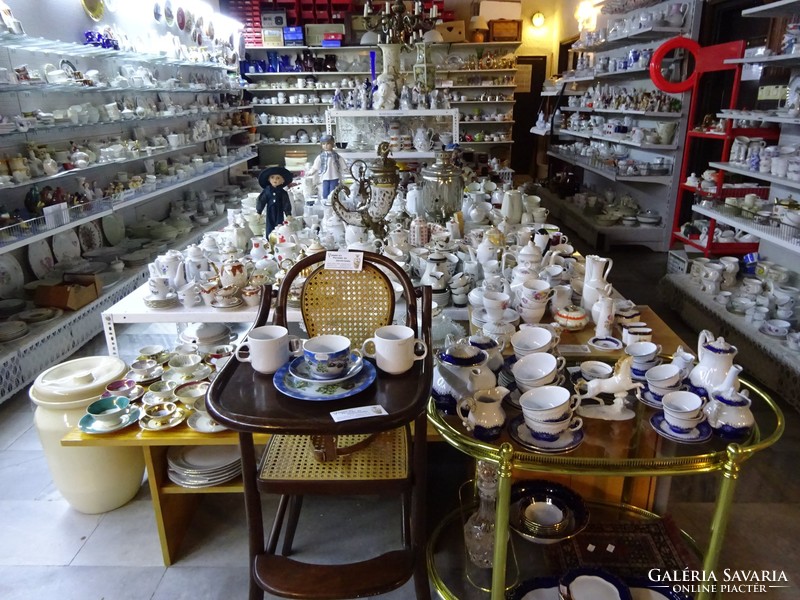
290 578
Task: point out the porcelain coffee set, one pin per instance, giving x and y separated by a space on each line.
161 390
325 367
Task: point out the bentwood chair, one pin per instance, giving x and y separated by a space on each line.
308 453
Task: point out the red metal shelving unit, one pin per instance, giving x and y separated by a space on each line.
708 60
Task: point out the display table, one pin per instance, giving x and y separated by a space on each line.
629 449
767 358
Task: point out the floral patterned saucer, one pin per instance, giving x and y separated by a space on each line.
287 384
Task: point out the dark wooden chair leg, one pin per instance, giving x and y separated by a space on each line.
252 506
277 525
295 504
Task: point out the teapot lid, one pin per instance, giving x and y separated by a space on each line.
462 354
720 346
484 342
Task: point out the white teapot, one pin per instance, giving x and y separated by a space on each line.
715 362
728 413
233 272
423 139
460 371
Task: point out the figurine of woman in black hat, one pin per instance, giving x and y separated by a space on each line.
274 198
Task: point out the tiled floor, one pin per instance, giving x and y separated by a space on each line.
48 550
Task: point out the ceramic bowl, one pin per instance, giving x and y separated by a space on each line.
594 369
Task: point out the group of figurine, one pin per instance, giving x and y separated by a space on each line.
622 98
381 96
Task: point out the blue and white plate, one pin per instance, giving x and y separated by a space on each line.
699 434
597 584
542 490
568 440
316 391
300 369
605 343
88 423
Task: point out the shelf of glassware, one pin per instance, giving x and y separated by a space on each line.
782 8
641 35
783 235
18 236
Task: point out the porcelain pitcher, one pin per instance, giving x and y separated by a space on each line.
486 416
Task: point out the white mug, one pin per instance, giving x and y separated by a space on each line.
394 348
269 348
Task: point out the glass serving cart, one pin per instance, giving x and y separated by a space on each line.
629 449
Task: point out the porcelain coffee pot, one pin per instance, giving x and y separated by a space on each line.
715 362
511 207
195 263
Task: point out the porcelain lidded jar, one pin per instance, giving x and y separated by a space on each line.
572 317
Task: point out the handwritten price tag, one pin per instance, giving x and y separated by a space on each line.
344 261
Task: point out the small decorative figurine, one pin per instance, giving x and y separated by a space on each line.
330 166
274 197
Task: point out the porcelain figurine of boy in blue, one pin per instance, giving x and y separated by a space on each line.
274 197
329 164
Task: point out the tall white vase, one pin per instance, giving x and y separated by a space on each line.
387 94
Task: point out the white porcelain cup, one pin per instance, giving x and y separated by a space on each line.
159 287
643 351
664 376
683 404
537 369
550 431
547 403
328 356
533 339
636 334
394 348
268 348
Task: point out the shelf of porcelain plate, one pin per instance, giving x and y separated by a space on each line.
766 357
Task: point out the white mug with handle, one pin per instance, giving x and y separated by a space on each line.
394 348
269 347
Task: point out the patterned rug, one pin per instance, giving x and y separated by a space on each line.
628 549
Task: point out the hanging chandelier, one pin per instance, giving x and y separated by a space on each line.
395 25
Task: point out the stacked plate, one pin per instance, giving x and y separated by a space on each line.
203 466
138 258
39 315
168 302
12 330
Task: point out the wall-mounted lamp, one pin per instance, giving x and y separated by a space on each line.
479 27
537 19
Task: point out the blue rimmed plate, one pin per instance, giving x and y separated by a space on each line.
317 391
699 434
568 440
299 369
605 343
597 584
548 491
649 400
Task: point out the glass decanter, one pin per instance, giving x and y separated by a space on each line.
479 528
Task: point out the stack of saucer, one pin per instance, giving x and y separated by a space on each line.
168 302
203 466
12 330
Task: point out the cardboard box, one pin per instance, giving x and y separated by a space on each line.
315 32
505 30
272 36
74 292
273 18
452 31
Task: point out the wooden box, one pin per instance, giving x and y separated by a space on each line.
452 31
505 30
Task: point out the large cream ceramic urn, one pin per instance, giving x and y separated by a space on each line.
91 479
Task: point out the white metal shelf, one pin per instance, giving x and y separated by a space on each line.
731 168
175 186
645 34
398 155
550 93
782 8
617 140
618 111
447 45
488 122
757 116
765 232
780 60
479 87
395 113
610 174
504 101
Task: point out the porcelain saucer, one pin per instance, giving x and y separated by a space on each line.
155 299
591 582
226 304
300 369
146 379
323 390
649 400
162 358
699 434
137 393
538 588
605 343
639 370
204 424
88 423
568 440
148 424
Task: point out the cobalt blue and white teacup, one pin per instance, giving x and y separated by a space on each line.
328 356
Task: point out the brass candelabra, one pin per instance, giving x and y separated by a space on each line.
395 25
